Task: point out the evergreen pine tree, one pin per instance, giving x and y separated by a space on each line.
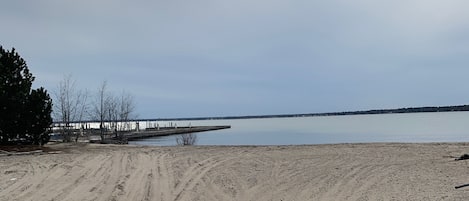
24 113
38 108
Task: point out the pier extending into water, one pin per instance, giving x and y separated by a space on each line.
121 132
156 132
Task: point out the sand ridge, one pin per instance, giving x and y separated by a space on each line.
375 171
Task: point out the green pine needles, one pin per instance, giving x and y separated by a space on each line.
25 114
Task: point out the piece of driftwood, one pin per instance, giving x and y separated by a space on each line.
463 157
461 186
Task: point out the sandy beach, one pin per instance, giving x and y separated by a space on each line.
310 172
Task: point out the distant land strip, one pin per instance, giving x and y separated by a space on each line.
458 108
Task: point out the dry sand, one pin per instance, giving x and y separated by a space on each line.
317 172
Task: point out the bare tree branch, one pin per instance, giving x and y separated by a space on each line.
186 139
113 112
70 105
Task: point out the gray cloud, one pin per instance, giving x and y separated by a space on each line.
205 58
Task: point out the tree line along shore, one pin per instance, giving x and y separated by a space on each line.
457 108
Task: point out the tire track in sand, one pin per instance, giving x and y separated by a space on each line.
81 175
194 175
164 178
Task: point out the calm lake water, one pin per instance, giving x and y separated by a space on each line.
415 127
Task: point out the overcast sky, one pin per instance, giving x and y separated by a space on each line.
248 57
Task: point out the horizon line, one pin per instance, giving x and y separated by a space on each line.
455 108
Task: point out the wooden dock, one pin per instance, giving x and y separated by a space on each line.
171 131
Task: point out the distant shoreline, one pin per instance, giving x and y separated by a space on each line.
458 108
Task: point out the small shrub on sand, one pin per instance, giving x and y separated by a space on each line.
186 139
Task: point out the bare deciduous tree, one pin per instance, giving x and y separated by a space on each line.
112 116
119 112
99 108
82 109
70 106
113 111
126 110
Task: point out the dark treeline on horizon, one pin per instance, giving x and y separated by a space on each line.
458 108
